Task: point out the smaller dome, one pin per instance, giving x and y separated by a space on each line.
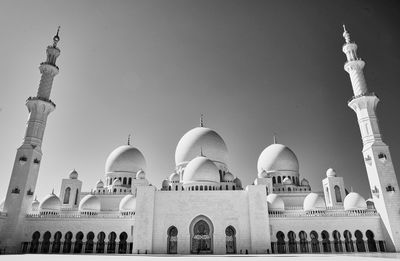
354 201
201 169
304 182
165 183
128 204
35 205
330 172
370 203
287 181
50 203
116 182
90 203
313 202
174 177
263 175
238 182
228 177
73 174
275 202
100 184
140 174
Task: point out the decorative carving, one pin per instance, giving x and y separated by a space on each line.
382 157
36 161
16 190
23 159
29 192
375 191
368 160
390 188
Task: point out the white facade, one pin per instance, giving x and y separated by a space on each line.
202 208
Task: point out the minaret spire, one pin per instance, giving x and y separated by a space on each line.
346 34
381 174
56 38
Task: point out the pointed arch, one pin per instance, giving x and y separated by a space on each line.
371 241
281 242
292 242
230 237
201 235
56 243
338 195
46 242
172 241
67 194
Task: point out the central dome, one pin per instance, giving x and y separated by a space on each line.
277 157
199 170
125 158
201 139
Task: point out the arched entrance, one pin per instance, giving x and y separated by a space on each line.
201 236
230 234
172 244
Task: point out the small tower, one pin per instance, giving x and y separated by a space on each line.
70 191
29 155
378 162
333 189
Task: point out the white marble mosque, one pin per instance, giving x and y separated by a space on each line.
202 208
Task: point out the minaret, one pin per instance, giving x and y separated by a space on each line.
29 155
378 162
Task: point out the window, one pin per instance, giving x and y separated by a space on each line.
337 194
67 194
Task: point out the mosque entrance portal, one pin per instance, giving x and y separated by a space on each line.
201 235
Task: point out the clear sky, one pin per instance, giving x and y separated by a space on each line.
150 68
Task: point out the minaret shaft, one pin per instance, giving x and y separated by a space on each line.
378 162
29 155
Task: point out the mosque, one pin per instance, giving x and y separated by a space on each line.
202 208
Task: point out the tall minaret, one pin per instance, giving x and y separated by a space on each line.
378 162
29 155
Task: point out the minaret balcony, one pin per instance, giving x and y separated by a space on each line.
41 99
46 67
361 95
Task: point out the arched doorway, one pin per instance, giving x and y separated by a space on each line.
201 236
67 242
89 242
337 242
100 242
46 242
326 243
348 242
371 241
314 242
122 243
303 242
292 242
230 234
78 242
359 241
57 242
281 242
35 242
172 244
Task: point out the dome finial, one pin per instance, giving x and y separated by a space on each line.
129 139
275 138
201 152
52 192
56 38
346 34
201 120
